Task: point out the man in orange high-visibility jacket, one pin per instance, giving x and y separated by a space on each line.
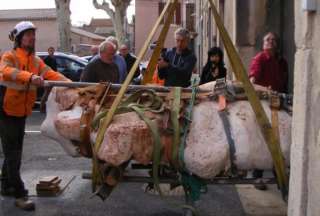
21 72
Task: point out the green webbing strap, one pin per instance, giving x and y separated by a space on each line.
157 146
193 186
187 122
153 104
175 110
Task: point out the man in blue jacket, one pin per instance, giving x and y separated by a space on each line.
176 66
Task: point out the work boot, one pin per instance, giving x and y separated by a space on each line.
261 186
25 204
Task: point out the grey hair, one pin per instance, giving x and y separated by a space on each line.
113 40
183 32
104 45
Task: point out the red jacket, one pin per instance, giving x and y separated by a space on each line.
270 71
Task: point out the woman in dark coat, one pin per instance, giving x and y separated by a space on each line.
214 69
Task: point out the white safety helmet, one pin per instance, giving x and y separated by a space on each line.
21 27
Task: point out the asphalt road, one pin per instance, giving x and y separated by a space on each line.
43 157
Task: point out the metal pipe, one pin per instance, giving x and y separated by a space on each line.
218 180
116 86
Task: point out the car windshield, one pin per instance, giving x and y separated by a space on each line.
70 66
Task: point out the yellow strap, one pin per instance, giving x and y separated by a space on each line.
271 139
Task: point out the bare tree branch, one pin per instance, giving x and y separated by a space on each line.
104 6
117 15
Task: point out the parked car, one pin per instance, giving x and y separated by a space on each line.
70 66
87 58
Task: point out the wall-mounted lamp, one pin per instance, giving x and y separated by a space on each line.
309 5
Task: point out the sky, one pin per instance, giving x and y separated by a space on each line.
81 10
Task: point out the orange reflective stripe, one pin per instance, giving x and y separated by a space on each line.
18 87
44 70
16 61
36 62
14 74
6 62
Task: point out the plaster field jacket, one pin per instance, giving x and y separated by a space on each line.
16 69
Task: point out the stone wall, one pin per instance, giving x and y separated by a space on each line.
304 196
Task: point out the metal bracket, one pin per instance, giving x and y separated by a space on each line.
220 87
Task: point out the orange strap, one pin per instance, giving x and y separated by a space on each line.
222 102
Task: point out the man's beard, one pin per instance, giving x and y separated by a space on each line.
30 49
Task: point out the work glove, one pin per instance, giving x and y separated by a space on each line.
37 80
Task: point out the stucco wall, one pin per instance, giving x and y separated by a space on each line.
77 39
304 196
251 20
146 16
47 34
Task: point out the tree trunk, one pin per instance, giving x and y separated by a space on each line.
64 24
117 16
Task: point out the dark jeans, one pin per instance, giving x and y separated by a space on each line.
12 133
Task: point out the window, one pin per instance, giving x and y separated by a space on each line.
190 16
177 16
69 68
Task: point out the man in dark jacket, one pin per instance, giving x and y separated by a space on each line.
129 58
50 60
176 66
102 69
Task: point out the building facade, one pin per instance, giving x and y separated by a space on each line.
47 30
102 27
82 41
147 13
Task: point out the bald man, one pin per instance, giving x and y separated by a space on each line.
102 69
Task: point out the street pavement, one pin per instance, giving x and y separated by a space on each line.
43 157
